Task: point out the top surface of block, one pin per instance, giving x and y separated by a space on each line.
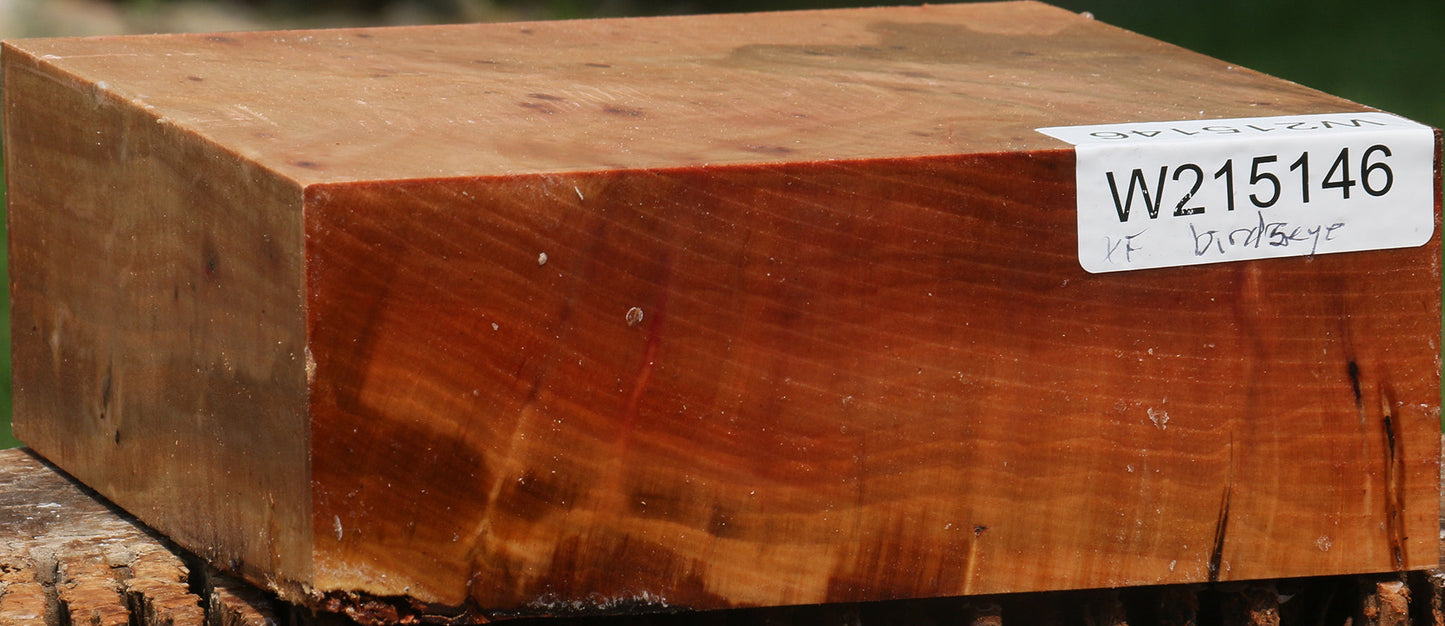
507 99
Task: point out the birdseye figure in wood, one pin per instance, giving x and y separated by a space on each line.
476 321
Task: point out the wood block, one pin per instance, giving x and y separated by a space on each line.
687 312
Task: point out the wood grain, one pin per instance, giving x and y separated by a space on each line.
50 525
687 312
941 387
156 304
509 99
67 558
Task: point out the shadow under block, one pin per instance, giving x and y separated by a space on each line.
692 312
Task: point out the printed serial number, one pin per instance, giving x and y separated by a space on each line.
1267 183
1157 194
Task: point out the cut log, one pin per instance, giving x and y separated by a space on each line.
490 320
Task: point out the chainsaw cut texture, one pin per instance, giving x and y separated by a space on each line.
687 312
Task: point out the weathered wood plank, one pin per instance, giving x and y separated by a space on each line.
88 592
694 312
67 559
231 602
1384 603
22 598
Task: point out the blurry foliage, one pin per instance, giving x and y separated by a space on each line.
1386 55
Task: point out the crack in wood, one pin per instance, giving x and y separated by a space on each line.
1221 524
1353 369
1394 478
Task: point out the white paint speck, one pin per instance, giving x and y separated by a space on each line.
541 259
634 316
336 524
1160 417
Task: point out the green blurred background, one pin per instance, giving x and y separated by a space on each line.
1388 55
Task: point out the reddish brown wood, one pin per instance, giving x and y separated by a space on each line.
700 312
76 541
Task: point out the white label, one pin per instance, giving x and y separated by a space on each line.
1169 194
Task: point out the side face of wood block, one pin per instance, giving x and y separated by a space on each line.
157 305
687 312
837 370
